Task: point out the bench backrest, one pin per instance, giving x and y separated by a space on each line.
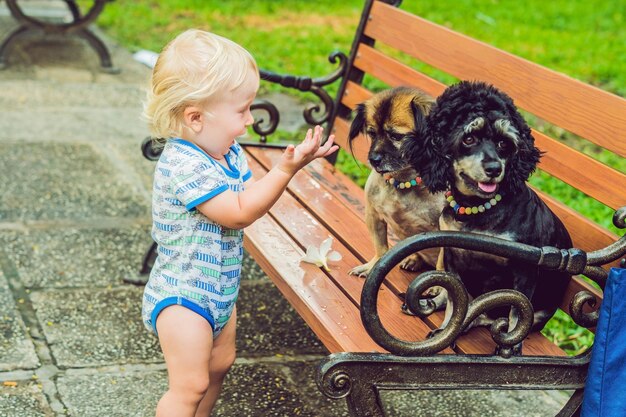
592 114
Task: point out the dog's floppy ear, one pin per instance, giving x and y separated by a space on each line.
358 123
413 148
425 153
435 168
419 120
524 161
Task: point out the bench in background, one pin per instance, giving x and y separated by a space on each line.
78 26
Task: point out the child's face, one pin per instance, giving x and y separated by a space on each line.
229 118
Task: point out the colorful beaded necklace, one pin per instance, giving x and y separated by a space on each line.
471 210
402 184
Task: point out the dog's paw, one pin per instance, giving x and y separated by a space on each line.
412 263
361 271
433 292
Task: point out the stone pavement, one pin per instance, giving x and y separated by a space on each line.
74 221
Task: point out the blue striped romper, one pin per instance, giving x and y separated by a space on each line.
199 261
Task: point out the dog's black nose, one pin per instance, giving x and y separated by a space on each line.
492 168
375 159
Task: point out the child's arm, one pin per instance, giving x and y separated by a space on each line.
238 210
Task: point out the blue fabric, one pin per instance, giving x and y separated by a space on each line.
605 387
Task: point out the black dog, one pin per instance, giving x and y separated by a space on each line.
481 150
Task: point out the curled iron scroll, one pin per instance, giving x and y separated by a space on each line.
314 113
78 21
262 127
573 261
594 271
463 312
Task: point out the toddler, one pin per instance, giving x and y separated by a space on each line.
201 90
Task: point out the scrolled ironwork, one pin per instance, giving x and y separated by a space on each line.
313 114
78 22
260 126
336 384
573 261
152 148
614 251
394 3
505 337
576 309
457 294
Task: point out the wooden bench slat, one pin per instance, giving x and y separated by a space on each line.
393 72
575 106
593 178
326 200
296 221
274 251
585 234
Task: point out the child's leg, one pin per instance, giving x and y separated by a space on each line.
222 358
186 339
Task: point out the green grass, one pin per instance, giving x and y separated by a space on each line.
581 38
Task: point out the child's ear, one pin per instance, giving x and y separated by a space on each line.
193 118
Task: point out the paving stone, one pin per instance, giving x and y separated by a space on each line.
76 257
303 375
268 325
261 389
66 58
16 347
473 403
95 327
130 153
24 400
49 95
250 270
60 181
112 394
72 124
250 389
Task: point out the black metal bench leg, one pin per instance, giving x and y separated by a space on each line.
573 407
148 259
146 267
364 401
99 46
6 44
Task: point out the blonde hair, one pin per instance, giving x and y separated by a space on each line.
193 69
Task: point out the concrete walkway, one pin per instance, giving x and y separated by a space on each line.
74 221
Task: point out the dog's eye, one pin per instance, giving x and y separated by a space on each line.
396 136
469 141
371 133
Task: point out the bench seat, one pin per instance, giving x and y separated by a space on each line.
322 202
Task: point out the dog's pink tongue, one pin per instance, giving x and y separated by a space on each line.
487 187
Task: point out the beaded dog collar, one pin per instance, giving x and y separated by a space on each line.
471 210
402 184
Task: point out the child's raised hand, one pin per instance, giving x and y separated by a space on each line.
296 157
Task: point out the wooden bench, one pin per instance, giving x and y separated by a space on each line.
321 202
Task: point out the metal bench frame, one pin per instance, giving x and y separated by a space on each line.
79 26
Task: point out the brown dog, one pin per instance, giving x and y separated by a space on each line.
395 197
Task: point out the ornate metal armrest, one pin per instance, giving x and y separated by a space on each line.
573 261
313 114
